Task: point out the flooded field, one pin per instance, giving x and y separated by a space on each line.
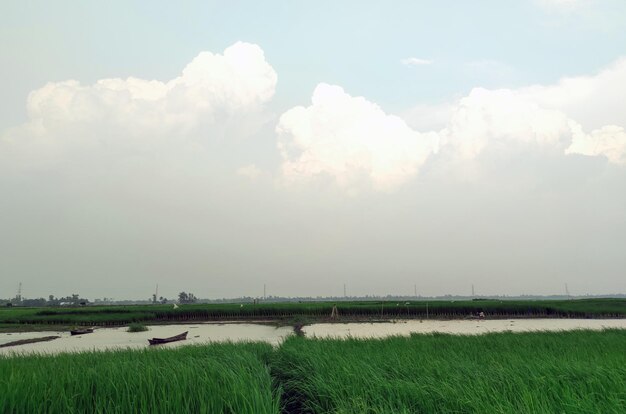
112 338
463 327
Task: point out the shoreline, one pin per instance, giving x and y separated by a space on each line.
284 321
204 333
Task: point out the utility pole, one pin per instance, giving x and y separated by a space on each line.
344 291
18 297
567 292
473 294
415 291
264 292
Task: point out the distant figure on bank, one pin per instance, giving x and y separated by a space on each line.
481 315
334 314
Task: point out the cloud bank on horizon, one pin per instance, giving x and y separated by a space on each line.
348 140
176 165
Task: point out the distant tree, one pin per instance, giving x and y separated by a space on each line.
186 298
34 302
52 301
73 300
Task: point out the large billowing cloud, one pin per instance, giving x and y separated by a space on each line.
502 118
350 140
592 100
210 85
137 115
578 115
608 141
354 142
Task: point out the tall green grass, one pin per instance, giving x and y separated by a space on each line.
570 372
217 378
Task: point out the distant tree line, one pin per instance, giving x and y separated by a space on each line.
72 300
76 300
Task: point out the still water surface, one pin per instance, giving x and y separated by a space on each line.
115 338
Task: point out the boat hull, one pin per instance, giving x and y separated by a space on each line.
158 341
81 331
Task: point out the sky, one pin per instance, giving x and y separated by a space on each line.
217 147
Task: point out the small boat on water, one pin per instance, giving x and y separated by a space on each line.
81 331
157 341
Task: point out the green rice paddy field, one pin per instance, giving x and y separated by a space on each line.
122 315
565 372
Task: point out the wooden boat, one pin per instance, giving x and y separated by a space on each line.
81 331
157 341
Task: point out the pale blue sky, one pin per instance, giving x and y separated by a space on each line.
356 44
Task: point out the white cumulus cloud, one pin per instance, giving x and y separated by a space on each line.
351 140
130 115
592 100
238 79
412 61
609 141
554 118
486 117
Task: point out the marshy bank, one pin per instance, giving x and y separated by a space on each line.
111 316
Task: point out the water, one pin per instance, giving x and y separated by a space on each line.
115 338
463 327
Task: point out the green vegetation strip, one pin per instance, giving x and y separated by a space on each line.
122 315
220 378
567 372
